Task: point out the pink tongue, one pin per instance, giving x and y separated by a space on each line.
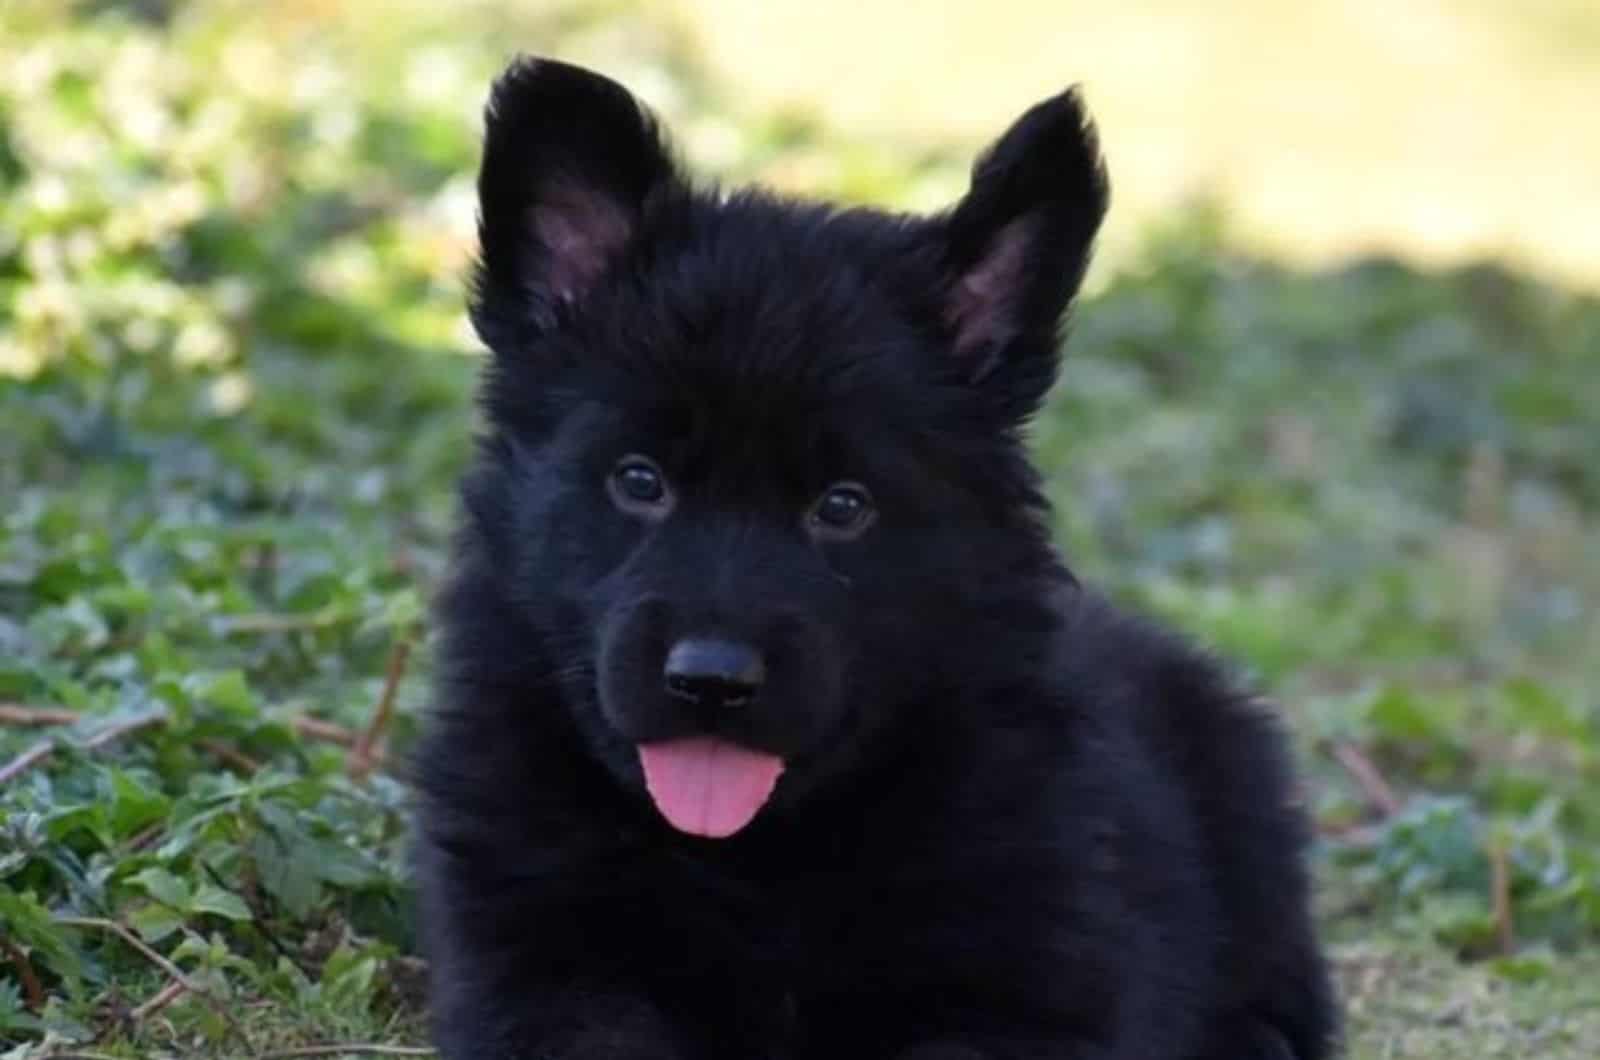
708 787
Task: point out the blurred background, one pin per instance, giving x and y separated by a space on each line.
1332 404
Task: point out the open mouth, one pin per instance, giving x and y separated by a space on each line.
708 787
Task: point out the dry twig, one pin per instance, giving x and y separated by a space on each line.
362 758
326 731
158 1001
145 838
260 624
41 751
22 715
26 761
127 935
32 988
311 728
112 733
347 1049
1500 898
1367 777
230 756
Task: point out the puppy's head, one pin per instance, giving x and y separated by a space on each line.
752 481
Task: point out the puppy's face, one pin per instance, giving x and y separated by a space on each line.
752 464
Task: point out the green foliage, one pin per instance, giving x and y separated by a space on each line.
234 391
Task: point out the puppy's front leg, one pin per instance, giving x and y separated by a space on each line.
477 1018
1011 1049
942 1051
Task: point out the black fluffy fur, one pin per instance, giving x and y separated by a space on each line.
1014 823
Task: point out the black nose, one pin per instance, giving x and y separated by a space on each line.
711 672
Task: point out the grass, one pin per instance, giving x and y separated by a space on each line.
234 392
1409 1001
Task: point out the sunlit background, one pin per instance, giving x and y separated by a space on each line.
1447 129
1332 405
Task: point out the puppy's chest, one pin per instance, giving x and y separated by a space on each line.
814 931
800 945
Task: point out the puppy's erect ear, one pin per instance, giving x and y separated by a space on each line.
570 162
1017 245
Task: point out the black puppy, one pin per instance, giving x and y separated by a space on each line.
770 724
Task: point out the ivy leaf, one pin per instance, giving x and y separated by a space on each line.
286 874
213 899
164 887
154 921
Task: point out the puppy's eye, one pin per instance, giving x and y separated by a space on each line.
637 485
844 511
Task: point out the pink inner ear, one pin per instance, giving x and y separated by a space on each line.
580 232
983 304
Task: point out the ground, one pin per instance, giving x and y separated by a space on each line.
234 382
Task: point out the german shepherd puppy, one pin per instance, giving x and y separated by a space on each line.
770 723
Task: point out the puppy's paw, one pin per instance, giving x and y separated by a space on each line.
1256 1041
618 1045
942 1051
